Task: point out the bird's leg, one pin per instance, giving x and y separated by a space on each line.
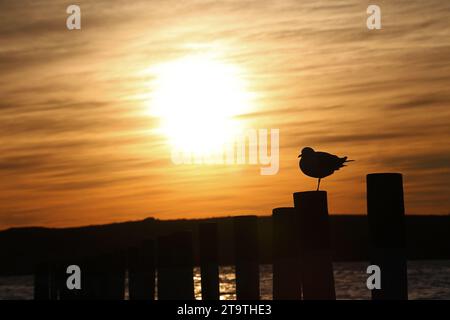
318 185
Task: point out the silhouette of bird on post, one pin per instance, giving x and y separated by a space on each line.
319 164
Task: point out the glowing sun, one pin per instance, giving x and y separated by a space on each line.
197 99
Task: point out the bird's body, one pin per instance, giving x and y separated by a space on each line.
320 164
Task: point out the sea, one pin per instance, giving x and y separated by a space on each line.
427 279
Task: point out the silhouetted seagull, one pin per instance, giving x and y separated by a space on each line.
319 164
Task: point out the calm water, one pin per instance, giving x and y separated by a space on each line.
426 279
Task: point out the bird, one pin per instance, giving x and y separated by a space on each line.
318 164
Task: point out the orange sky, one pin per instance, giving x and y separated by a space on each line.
79 146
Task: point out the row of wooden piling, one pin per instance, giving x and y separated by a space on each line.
302 258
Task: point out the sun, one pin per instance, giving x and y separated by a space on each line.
197 99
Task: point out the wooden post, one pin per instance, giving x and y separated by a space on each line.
93 280
94 283
115 275
59 280
141 271
42 282
53 281
175 267
386 214
209 262
286 255
317 268
247 258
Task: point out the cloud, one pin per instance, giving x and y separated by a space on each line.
422 162
424 101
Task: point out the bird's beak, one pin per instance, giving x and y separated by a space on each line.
299 156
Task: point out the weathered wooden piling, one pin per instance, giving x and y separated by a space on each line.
114 275
286 255
94 281
386 215
95 284
58 280
53 281
42 284
317 269
246 257
141 271
175 267
209 262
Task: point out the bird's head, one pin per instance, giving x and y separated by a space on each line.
306 151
